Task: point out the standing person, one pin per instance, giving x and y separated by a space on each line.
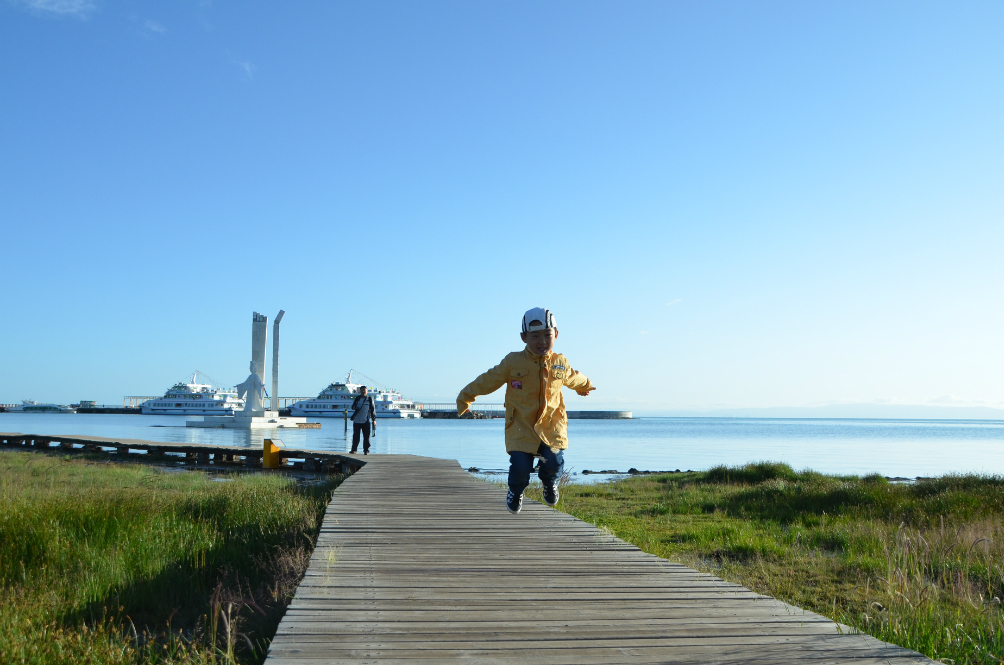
535 421
363 414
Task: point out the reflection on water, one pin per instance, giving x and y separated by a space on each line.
891 447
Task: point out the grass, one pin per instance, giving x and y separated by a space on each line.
126 563
916 564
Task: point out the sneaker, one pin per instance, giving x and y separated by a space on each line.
551 494
513 503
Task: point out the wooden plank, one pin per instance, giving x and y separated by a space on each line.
520 626
807 640
557 635
774 654
418 562
623 659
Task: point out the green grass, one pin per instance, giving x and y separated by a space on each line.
917 564
128 563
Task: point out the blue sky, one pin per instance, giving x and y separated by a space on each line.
726 204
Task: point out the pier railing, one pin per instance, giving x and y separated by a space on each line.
446 407
136 400
285 402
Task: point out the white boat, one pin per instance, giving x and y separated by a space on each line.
31 406
337 398
194 399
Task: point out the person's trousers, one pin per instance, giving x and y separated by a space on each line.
521 464
365 429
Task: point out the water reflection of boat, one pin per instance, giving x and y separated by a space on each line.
333 401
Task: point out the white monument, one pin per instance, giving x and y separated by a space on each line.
274 402
252 389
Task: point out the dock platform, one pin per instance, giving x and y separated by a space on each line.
419 562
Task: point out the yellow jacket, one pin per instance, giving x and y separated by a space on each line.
534 405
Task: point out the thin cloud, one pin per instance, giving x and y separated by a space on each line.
673 302
153 26
78 8
245 65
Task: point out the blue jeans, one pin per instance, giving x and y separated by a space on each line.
521 464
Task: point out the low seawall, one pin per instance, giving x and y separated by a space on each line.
572 415
600 415
475 415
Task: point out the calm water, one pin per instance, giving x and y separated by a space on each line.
891 447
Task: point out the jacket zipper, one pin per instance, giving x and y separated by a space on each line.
543 388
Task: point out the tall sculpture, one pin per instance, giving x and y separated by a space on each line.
274 404
259 337
252 389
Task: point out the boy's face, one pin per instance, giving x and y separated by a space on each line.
540 341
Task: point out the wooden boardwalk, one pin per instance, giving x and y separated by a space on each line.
418 562
198 454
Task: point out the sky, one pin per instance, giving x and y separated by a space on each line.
725 204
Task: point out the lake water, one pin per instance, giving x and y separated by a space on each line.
907 448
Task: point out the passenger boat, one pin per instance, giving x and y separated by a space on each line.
194 399
31 406
336 399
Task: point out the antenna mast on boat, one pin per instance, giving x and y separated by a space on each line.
206 378
348 379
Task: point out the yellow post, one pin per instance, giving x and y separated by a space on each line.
270 454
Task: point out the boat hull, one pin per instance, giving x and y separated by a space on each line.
148 411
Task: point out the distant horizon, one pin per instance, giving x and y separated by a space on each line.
852 411
860 411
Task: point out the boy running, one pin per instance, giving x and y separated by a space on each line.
535 420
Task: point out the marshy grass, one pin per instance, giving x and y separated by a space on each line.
126 563
916 564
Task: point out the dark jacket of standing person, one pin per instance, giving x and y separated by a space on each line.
357 404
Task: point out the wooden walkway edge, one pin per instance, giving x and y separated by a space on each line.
200 454
418 562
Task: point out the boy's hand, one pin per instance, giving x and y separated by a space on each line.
585 393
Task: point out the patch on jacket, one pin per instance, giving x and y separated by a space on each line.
518 385
561 367
559 375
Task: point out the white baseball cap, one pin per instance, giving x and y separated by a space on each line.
538 314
